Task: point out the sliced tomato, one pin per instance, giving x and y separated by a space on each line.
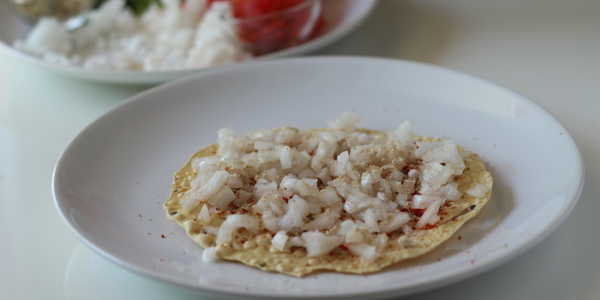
253 8
275 32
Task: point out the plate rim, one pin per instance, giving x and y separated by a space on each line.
101 75
484 264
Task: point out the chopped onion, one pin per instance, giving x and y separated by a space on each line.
450 191
365 251
403 134
435 175
381 241
204 214
347 121
354 236
285 157
346 226
446 152
222 199
370 219
264 187
317 243
279 240
194 196
349 183
423 201
342 164
324 220
394 222
430 215
293 218
329 197
366 181
305 187
232 224
477 190
324 151
210 255
357 201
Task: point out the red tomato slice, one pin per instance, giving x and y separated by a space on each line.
276 32
253 8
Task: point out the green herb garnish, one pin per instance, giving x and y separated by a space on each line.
137 7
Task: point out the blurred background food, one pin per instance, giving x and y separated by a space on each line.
153 35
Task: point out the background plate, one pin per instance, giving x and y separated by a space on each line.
342 17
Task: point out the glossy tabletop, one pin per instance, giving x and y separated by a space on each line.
547 50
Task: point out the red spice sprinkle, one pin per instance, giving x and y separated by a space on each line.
429 226
459 237
443 163
163 236
417 211
406 169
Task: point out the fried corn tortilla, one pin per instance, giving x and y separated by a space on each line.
255 249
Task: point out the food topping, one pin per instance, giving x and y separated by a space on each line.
320 190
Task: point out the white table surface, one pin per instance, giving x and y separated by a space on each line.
547 50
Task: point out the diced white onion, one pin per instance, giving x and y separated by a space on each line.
233 223
194 196
317 243
279 240
210 255
394 222
293 218
478 190
204 214
365 251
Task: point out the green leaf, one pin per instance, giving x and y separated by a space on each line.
137 7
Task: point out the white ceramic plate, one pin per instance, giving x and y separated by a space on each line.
111 180
342 17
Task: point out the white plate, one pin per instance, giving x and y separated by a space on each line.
342 17
111 180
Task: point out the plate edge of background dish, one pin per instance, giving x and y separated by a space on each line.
155 77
